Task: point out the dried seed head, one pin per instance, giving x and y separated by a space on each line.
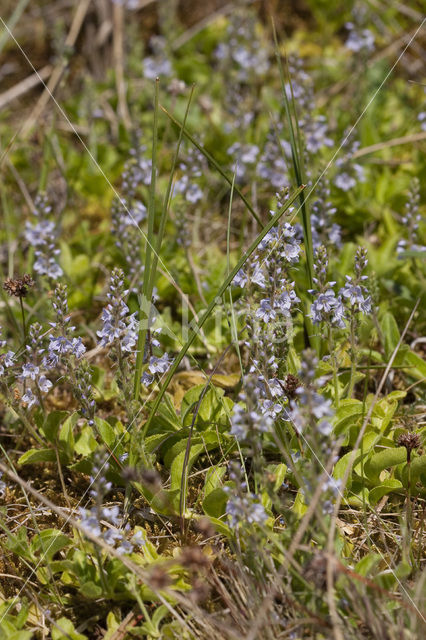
194 559
130 474
205 527
151 479
200 591
159 578
410 441
315 570
18 287
291 383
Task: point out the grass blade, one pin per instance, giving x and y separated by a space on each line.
215 164
297 157
145 305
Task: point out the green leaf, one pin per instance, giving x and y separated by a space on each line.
214 479
199 445
357 498
391 333
221 527
280 472
18 543
418 365
390 577
349 411
37 455
66 435
377 493
210 408
90 590
383 460
106 431
85 443
366 565
48 542
154 442
166 502
214 504
66 257
342 464
176 470
415 470
299 506
159 614
22 616
63 629
19 635
52 423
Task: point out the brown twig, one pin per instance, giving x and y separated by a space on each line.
59 70
118 53
414 137
24 86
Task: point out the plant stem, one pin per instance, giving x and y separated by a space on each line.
146 301
353 358
335 367
213 303
23 318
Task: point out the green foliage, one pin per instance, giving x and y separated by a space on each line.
169 467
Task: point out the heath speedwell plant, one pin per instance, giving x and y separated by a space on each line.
212 321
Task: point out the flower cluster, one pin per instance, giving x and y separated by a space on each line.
359 40
324 231
313 126
3 486
83 390
309 407
316 133
131 5
242 49
157 64
128 212
251 415
63 345
41 235
92 520
34 370
273 162
330 307
242 58
31 374
119 327
6 359
137 171
192 168
56 349
411 220
119 333
157 365
242 507
349 173
353 292
330 489
126 218
271 300
244 156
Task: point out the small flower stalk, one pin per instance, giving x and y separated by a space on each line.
42 235
105 522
